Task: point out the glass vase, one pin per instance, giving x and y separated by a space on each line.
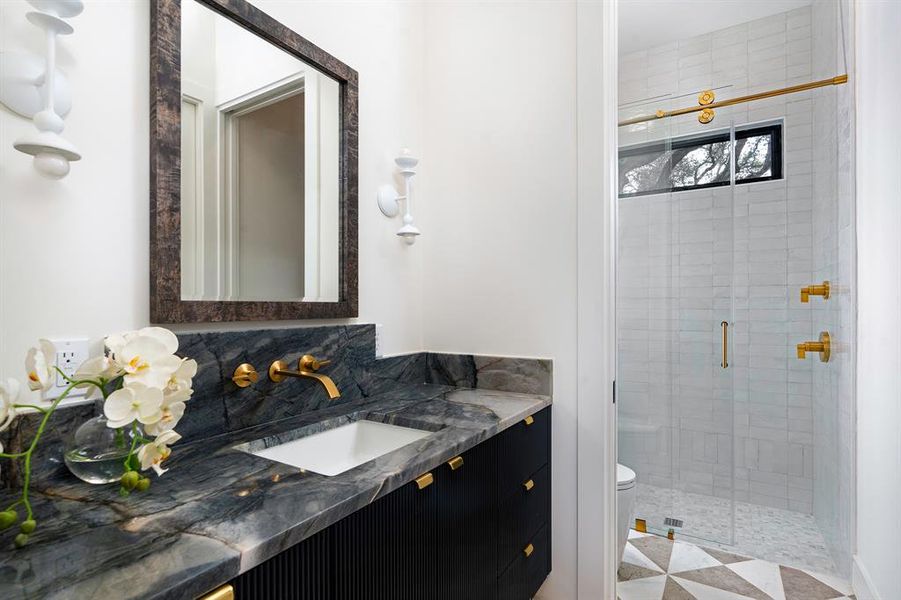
97 453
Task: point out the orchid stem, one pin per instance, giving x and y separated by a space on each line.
134 442
34 406
37 436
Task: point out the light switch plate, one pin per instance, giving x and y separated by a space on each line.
70 354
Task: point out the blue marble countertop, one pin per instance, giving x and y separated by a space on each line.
219 512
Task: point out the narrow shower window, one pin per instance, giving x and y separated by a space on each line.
694 162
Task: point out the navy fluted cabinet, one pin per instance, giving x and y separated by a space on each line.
481 531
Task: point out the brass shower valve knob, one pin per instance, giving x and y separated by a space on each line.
815 290
823 347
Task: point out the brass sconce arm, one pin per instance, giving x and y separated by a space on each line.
306 368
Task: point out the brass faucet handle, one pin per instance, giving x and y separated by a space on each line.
245 375
308 362
823 347
815 290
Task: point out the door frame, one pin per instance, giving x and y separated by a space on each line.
596 343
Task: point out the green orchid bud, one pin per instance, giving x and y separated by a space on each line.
21 540
143 484
129 480
123 492
28 526
7 518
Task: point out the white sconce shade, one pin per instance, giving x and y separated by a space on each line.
34 88
389 200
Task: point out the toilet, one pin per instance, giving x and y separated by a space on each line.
625 504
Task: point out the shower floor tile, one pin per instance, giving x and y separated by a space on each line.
655 568
780 536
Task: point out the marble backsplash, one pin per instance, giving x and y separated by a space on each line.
219 406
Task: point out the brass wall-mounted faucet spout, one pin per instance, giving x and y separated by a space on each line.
306 367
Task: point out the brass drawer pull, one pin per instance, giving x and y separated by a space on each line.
226 592
529 550
424 481
455 463
529 485
529 420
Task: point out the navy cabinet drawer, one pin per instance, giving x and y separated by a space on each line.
522 515
528 571
522 450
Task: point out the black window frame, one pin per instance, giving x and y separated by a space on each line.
773 130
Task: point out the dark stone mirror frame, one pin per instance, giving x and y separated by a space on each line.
166 305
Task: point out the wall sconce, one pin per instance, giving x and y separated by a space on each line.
389 200
33 88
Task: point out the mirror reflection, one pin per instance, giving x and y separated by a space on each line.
259 168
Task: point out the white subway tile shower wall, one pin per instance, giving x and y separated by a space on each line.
676 266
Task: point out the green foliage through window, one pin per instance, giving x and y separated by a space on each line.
696 162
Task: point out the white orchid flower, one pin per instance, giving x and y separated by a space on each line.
146 359
99 367
153 454
163 336
179 386
95 369
172 411
9 393
118 341
134 402
39 365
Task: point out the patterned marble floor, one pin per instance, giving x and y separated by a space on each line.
655 568
782 536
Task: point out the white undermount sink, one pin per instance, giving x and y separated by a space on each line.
334 451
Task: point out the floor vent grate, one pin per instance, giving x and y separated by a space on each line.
671 522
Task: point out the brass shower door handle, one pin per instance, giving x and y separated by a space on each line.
725 362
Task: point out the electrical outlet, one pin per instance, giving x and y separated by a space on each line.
69 356
379 352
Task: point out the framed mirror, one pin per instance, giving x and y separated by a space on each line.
253 167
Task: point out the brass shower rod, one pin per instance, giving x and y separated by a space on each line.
706 102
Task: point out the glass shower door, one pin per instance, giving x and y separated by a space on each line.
675 317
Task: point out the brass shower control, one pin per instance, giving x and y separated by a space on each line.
824 347
706 97
245 375
815 290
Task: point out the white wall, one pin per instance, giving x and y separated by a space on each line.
484 91
498 207
877 568
74 253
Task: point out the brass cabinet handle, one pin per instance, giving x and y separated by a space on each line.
424 481
226 592
245 375
529 420
455 463
725 326
529 485
528 550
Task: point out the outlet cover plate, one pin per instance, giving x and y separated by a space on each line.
70 353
